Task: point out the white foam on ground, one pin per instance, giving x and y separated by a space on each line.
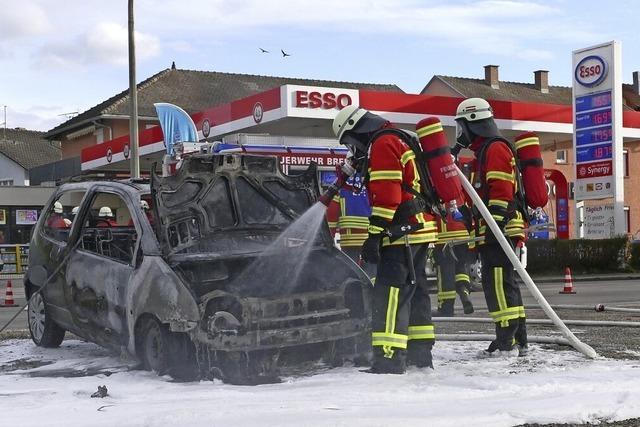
546 386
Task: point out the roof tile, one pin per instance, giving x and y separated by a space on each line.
28 148
198 90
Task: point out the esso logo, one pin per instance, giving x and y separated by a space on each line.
327 100
591 71
258 112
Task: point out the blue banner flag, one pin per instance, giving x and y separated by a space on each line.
177 125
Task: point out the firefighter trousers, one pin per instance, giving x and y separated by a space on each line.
503 298
452 277
401 318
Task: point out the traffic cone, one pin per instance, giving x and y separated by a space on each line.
568 282
8 298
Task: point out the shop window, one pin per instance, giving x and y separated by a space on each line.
561 156
6 182
59 216
108 230
625 162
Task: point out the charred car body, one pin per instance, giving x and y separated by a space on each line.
201 286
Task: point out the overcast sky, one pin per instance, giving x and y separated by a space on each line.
63 56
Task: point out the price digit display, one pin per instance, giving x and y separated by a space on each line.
591 102
593 118
597 152
591 136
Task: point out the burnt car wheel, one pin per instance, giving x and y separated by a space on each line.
155 346
165 352
43 330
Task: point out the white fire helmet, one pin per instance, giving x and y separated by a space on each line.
474 109
474 117
144 205
347 119
57 207
105 212
75 210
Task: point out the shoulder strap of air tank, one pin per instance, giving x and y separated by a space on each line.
519 197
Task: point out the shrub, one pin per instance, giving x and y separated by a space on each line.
581 255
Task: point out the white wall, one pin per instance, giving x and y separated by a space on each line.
11 170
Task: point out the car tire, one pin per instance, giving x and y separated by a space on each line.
155 346
44 331
166 352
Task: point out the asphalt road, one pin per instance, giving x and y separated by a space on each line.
618 293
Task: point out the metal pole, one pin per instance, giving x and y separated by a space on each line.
133 94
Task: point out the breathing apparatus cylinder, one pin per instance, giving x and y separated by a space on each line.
442 170
343 173
532 169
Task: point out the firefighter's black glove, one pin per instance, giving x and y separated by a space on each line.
371 248
467 217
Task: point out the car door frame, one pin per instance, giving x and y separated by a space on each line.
58 252
109 325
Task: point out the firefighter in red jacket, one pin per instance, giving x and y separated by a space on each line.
401 321
494 178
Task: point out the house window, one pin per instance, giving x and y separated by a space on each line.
627 219
625 162
561 156
6 182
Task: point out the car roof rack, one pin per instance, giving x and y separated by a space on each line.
116 176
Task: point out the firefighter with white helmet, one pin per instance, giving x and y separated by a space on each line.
106 217
494 176
56 218
402 328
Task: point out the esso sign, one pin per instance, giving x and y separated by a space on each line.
591 71
326 100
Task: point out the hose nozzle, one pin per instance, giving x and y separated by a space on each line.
343 172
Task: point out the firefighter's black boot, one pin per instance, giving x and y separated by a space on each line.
467 305
521 337
419 354
445 309
388 365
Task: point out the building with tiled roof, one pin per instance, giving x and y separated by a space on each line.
192 90
557 150
538 91
21 150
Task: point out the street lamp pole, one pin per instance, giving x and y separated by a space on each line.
133 95
4 128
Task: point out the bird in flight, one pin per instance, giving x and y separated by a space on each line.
284 53
263 50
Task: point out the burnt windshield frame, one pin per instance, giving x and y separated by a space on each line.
255 206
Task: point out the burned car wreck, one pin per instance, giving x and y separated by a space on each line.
209 282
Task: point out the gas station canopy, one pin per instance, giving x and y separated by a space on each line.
293 115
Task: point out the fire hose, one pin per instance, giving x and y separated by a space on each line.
524 275
575 322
